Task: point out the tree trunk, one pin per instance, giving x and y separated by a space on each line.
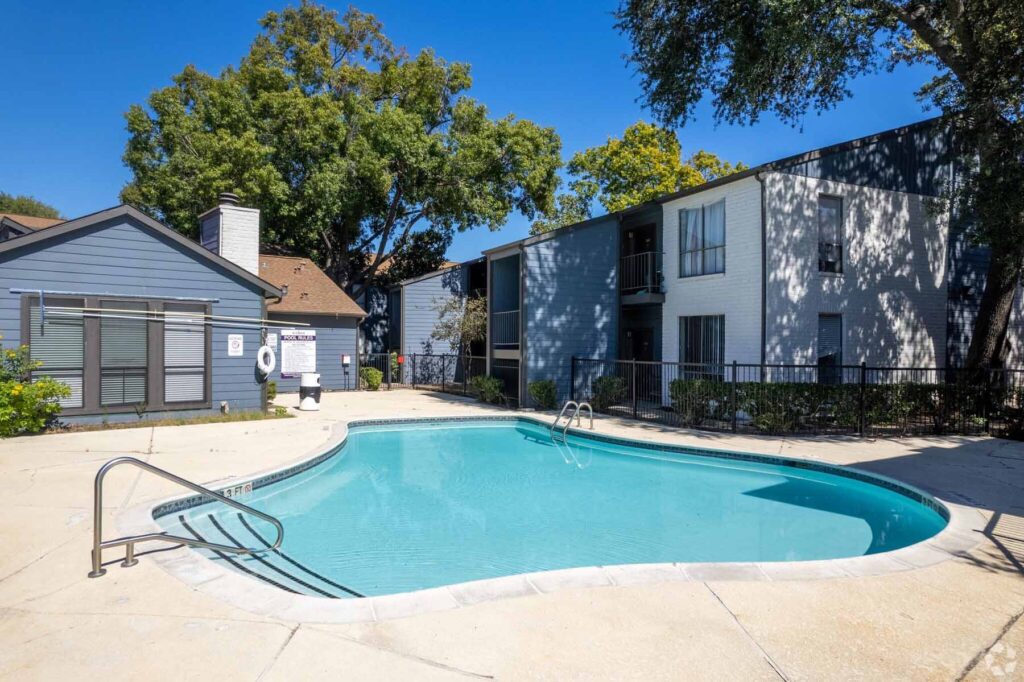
990 326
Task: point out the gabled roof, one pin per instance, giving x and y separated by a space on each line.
30 222
308 290
125 211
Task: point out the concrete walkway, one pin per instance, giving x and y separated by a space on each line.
957 619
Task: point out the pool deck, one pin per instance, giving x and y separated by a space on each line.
957 618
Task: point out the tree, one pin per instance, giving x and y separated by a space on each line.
790 57
347 144
461 323
647 162
25 205
421 253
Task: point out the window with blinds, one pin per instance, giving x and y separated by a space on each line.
184 354
123 352
702 345
830 348
57 340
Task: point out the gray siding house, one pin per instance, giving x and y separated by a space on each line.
131 315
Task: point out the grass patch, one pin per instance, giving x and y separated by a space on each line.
245 416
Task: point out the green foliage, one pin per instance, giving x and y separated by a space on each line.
396 368
698 400
647 162
280 411
606 391
349 146
461 322
489 389
26 205
788 58
371 377
271 391
26 405
544 393
420 253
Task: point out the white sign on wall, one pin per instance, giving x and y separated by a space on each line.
298 351
272 340
236 345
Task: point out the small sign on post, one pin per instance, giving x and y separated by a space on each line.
236 345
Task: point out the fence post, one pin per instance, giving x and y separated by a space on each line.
633 383
444 371
388 362
572 378
860 398
989 375
466 364
732 396
414 370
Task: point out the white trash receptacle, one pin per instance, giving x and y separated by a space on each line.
309 391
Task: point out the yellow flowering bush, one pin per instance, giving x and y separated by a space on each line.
26 405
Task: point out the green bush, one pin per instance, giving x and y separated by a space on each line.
606 391
26 406
544 393
488 388
396 374
371 378
271 391
699 400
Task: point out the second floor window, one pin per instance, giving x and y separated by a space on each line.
830 234
702 240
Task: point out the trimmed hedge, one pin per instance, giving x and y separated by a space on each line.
545 393
372 377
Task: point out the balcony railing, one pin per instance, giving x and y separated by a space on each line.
505 329
640 273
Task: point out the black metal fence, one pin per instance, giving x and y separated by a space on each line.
806 399
446 372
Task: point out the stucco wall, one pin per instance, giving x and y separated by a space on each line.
736 293
892 292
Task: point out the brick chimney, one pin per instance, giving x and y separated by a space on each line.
233 232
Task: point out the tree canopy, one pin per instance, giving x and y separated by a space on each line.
349 146
789 57
645 163
23 204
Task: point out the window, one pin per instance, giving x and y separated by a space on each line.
702 342
830 234
124 353
830 348
57 340
702 240
185 370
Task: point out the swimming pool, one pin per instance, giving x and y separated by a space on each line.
407 506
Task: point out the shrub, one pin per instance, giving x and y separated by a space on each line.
700 400
488 388
26 405
271 391
371 377
544 393
396 374
606 391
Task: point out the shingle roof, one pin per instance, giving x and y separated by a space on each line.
30 221
309 290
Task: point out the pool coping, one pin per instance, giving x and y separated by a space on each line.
963 532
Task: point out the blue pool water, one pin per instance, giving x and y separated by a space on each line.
405 507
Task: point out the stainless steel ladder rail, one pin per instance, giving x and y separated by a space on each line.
561 414
575 415
98 544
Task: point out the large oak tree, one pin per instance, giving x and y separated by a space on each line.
791 56
349 146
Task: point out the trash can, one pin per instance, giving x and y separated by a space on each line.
309 391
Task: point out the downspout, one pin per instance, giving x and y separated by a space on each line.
764 268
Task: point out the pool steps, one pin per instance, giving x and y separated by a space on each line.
273 566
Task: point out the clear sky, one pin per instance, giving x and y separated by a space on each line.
69 71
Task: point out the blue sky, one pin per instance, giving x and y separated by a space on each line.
70 70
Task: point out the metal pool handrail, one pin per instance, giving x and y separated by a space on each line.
98 544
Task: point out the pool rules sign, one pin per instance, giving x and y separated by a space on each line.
298 351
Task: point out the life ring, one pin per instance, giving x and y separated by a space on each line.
265 359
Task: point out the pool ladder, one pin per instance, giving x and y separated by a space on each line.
98 544
575 414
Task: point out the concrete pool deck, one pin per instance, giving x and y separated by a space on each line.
960 617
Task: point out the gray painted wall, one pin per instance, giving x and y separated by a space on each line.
374 328
124 257
334 337
419 309
571 301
